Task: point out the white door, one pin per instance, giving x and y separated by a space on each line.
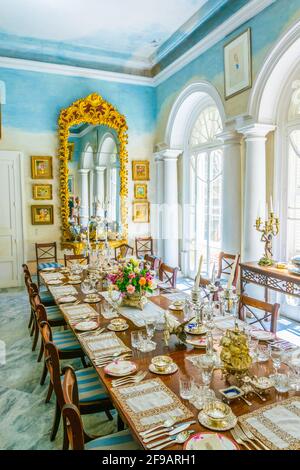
11 228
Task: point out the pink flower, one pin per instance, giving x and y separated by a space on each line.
131 275
130 289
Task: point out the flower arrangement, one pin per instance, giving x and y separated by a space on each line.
131 279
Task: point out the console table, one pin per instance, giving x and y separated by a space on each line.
269 277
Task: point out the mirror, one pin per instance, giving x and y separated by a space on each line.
93 172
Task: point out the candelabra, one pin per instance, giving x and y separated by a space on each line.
268 230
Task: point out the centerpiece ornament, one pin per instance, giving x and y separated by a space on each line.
133 282
268 230
235 352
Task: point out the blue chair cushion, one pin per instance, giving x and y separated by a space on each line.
49 265
46 297
119 441
90 387
65 341
53 313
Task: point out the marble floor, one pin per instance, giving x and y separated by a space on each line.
25 418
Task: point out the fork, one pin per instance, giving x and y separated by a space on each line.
92 333
238 439
125 379
251 436
130 380
108 361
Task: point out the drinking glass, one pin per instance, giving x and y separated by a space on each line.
263 353
135 339
144 345
115 296
276 355
206 366
281 382
150 328
253 344
186 388
86 287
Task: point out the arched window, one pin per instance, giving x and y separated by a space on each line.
205 177
293 193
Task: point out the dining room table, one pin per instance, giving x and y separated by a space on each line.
179 352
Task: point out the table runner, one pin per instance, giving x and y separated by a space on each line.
151 403
277 425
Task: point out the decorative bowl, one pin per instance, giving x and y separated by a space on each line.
217 412
161 363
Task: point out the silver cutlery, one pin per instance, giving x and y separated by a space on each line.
108 361
96 332
103 357
167 424
174 430
238 439
170 428
251 436
127 378
133 380
177 439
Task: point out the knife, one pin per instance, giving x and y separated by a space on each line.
162 431
173 431
157 445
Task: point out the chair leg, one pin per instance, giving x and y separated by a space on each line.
56 422
49 393
44 374
109 415
30 318
121 426
65 440
83 362
32 327
41 351
36 336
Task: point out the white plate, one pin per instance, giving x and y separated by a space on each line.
262 335
120 368
86 326
94 300
74 278
54 282
193 442
229 423
171 369
197 342
67 299
74 282
117 328
176 308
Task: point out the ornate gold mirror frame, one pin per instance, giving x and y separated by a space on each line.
93 110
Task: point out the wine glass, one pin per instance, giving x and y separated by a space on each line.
114 296
276 356
87 287
206 365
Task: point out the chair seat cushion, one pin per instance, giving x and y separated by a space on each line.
53 313
65 340
90 387
49 265
46 297
119 441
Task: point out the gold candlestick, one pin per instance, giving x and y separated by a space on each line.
268 230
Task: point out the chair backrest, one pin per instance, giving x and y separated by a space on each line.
80 259
70 386
123 250
167 274
153 261
226 262
46 252
34 297
248 305
73 426
143 246
53 365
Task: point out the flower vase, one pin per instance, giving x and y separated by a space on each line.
137 300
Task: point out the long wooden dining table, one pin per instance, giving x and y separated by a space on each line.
179 353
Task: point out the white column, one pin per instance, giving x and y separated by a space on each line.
254 186
171 208
231 193
84 196
100 187
159 200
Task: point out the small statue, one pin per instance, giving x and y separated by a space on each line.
235 352
173 327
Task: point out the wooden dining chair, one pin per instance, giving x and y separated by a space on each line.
167 275
91 396
46 297
66 342
73 427
123 250
153 261
46 257
143 246
226 262
248 308
79 259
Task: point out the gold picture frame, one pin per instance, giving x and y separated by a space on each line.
94 110
141 212
140 170
71 146
42 215
238 64
42 192
41 168
140 191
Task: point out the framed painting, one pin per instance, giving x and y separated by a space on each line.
141 212
70 150
41 168
140 191
238 64
140 170
42 191
42 215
